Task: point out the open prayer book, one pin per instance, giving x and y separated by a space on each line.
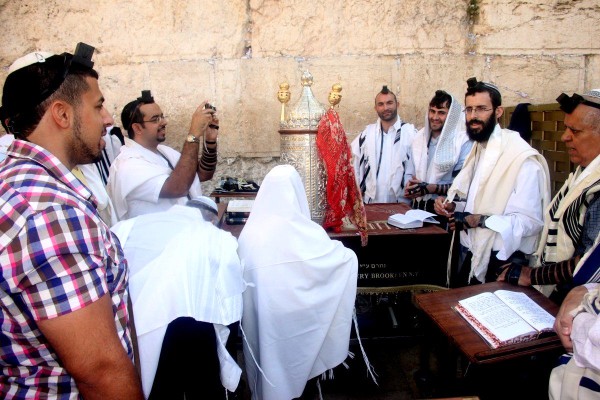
505 317
238 211
412 219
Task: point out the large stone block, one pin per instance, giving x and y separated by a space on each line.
538 27
356 27
592 73
133 31
535 79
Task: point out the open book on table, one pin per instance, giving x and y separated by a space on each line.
505 317
411 219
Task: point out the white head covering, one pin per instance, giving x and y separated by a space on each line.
29 59
281 204
592 95
299 302
445 157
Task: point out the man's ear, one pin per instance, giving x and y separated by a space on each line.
499 112
137 129
61 113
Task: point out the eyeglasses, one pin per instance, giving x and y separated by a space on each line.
478 110
156 119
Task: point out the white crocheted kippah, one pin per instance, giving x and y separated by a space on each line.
593 96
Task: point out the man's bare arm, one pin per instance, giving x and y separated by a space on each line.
179 182
88 346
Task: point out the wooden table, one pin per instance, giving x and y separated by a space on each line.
394 259
438 307
233 195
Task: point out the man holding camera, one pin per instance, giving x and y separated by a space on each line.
149 177
497 200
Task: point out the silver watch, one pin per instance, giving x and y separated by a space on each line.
192 139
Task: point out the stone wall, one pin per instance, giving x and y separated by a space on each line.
235 53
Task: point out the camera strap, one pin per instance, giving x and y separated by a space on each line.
172 169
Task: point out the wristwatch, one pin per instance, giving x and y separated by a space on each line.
192 139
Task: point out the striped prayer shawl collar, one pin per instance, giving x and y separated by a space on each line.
566 214
368 168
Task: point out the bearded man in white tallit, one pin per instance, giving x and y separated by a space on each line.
381 151
299 301
438 151
572 221
578 326
498 198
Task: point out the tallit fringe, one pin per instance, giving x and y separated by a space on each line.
449 262
319 387
370 369
327 375
254 358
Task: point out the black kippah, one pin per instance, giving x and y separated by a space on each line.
130 108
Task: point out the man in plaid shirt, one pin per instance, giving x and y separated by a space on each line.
63 289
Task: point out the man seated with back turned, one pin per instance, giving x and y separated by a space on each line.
497 200
572 222
186 289
437 152
381 151
149 177
63 303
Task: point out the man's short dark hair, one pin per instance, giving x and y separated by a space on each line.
385 90
28 91
131 113
482 87
441 99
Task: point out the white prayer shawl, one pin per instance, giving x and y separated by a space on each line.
504 155
137 169
302 286
113 145
181 266
5 141
366 157
577 183
447 151
578 378
96 185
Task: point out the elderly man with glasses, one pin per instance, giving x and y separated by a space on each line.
150 177
572 222
497 200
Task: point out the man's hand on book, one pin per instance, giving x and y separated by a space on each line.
564 319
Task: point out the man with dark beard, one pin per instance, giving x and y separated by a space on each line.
381 152
497 200
63 288
150 177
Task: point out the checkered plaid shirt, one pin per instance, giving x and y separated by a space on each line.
57 256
